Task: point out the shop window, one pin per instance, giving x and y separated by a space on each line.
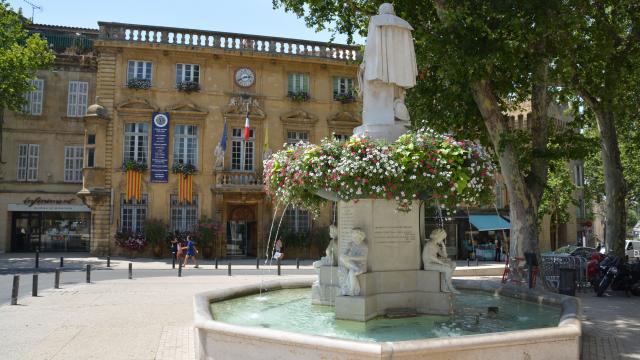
297 220
65 231
136 142
298 83
342 86
28 162
73 164
34 98
294 137
185 144
77 98
184 216
187 72
139 70
242 151
133 213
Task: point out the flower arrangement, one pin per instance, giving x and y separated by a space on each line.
182 168
130 240
419 165
344 97
134 165
188 86
298 96
139 83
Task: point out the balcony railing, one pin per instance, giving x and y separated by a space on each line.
238 180
226 41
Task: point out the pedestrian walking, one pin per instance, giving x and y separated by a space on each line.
498 250
191 252
175 244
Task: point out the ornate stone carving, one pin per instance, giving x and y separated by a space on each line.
343 119
299 117
238 106
353 262
434 257
136 105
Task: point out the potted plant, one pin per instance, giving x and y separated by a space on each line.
298 96
207 232
155 231
184 169
188 86
139 84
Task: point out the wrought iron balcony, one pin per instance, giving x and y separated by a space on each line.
145 34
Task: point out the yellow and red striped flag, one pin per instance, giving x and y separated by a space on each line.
185 188
134 185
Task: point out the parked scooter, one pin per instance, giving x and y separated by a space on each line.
621 276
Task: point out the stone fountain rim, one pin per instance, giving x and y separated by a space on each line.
569 326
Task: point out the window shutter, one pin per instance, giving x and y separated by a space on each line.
23 151
178 73
71 99
305 83
32 170
148 70
36 106
131 74
291 80
336 85
83 94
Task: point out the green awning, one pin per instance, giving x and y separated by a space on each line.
489 222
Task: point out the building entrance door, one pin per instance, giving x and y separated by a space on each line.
26 230
237 237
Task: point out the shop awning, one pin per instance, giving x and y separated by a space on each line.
489 222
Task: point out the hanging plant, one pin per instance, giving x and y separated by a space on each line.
184 169
188 86
420 164
134 165
298 96
139 83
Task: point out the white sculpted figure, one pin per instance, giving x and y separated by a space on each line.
434 257
388 68
352 263
331 259
218 155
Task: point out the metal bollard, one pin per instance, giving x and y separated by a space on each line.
61 261
173 261
130 271
34 285
108 261
257 263
180 270
297 263
216 263
14 289
279 267
56 281
37 258
229 268
468 261
477 261
88 274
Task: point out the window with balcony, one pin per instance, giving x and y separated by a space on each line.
187 73
34 98
242 151
294 137
138 69
136 142
77 98
28 155
297 220
133 213
343 89
185 144
298 86
184 216
73 164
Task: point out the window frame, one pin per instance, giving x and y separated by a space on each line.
349 86
181 144
239 141
35 98
28 169
293 82
147 72
184 221
297 138
73 173
138 134
296 214
136 207
181 73
76 99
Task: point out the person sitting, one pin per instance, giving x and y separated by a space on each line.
278 254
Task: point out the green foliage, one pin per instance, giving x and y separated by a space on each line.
21 55
155 231
134 165
207 231
182 168
558 195
299 96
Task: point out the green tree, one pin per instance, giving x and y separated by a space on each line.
21 55
477 61
557 198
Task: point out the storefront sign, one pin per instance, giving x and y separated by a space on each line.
40 201
49 207
160 147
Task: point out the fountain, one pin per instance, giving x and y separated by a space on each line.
377 264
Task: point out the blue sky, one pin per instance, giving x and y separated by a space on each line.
240 16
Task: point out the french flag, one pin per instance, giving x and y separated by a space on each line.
247 132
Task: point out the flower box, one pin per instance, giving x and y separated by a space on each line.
298 96
139 84
188 86
344 98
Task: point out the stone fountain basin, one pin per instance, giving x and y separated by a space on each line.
219 340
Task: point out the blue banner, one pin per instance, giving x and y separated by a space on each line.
160 147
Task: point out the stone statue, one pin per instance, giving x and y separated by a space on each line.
388 68
331 258
218 156
434 257
351 263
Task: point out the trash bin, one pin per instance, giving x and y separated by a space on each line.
567 285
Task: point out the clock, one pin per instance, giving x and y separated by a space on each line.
245 77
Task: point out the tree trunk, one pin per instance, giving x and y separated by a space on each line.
614 184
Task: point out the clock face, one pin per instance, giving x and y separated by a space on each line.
245 77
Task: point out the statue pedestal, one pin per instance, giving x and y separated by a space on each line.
325 290
389 132
394 278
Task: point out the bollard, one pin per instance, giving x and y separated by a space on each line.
173 261
61 261
130 271
278 267
88 274
34 285
14 289
477 260
257 263
216 263
180 270
108 261
37 258
229 268
56 281
297 263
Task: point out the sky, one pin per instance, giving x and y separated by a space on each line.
255 17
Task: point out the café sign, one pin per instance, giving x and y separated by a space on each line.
45 204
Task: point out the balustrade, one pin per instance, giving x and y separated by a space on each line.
232 179
226 41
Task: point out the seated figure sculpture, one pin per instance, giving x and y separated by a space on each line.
352 262
331 258
434 257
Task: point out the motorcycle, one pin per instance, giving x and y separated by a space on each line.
620 275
